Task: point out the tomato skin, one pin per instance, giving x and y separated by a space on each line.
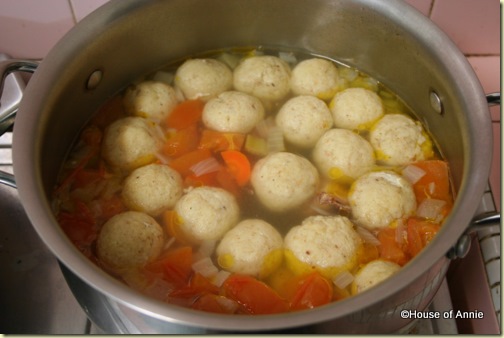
389 249
437 176
254 296
312 290
420 232
175 266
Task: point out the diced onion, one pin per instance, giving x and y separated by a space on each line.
400 230
162 158
431 187
206 166
263 127
413 173
228 304
169 243
275 140
319 210
205 267
288 57
343 279
431 208
221 277
367 236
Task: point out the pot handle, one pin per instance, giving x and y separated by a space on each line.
9 105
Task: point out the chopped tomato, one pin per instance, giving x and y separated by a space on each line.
420 233
175 265
183 141
226 181
368 253
184 163
185 114
217 141
111 111
254 296
79 225
108 207
312 290
389 249
238 165
435 183
215 303
198 286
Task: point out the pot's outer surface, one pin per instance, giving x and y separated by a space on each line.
387 39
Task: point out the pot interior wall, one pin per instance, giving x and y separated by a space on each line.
126 45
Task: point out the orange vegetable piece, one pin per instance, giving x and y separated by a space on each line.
389 249
183 141
79 225
175 265
238 165
184 163
210 303
198 286
368 253
312 290
217 141
110 111
420 233
254 296
435 183
185 114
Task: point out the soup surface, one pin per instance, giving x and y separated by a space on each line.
253 182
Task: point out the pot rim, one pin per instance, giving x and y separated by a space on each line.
38 209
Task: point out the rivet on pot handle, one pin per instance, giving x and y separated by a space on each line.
10 98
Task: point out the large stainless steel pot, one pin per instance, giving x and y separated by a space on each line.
385 38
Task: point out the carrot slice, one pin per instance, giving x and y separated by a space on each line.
238 165
185 114
420 233
217 141
389 249
253 295
435 183
184 163
175 265
171 221
312 290
183 141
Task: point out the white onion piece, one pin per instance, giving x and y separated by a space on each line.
205 267
220 277
430 208
206 166
228 304
343 279
400 230
275 140
319 210
162 158
431 187
367 236
288 57
413 173
169 243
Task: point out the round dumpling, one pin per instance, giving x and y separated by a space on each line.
207 213
233 111
356 108
373 273
129 240
203 78
129 143
399 140
303 119
253 247
266 77
317 77
150 99
329 244
283 181
152 189
343 153
381 197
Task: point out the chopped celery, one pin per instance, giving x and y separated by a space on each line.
256 145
